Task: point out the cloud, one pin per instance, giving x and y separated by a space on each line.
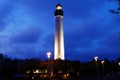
112 40
27 28
30 35
84 36
2 25
5 10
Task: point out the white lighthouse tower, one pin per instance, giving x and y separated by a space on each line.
59 34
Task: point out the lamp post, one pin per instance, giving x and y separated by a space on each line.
96 59
119 66
48 56
102 62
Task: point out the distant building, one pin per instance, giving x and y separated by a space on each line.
59 34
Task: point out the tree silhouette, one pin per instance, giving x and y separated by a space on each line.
116 10
75 69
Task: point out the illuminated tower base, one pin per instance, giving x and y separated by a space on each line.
59 35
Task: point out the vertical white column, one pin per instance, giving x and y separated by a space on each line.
59 38
59 34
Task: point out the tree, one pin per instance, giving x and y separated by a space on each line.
117 10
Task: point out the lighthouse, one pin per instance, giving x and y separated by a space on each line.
59 34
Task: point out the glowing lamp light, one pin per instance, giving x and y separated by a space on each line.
96 58
48 55
102 62
59 8
37 71
119 63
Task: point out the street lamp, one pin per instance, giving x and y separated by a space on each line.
96 59
102 62
48 56
119 63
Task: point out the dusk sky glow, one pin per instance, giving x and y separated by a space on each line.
27 29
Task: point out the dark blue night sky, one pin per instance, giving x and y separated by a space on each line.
27 29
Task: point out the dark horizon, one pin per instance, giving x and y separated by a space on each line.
52 59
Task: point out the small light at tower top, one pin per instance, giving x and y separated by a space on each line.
59 7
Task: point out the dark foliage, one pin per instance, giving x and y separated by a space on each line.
16 67
116 10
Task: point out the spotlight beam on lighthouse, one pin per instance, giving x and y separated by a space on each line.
59 34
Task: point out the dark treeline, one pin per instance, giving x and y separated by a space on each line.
10 68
